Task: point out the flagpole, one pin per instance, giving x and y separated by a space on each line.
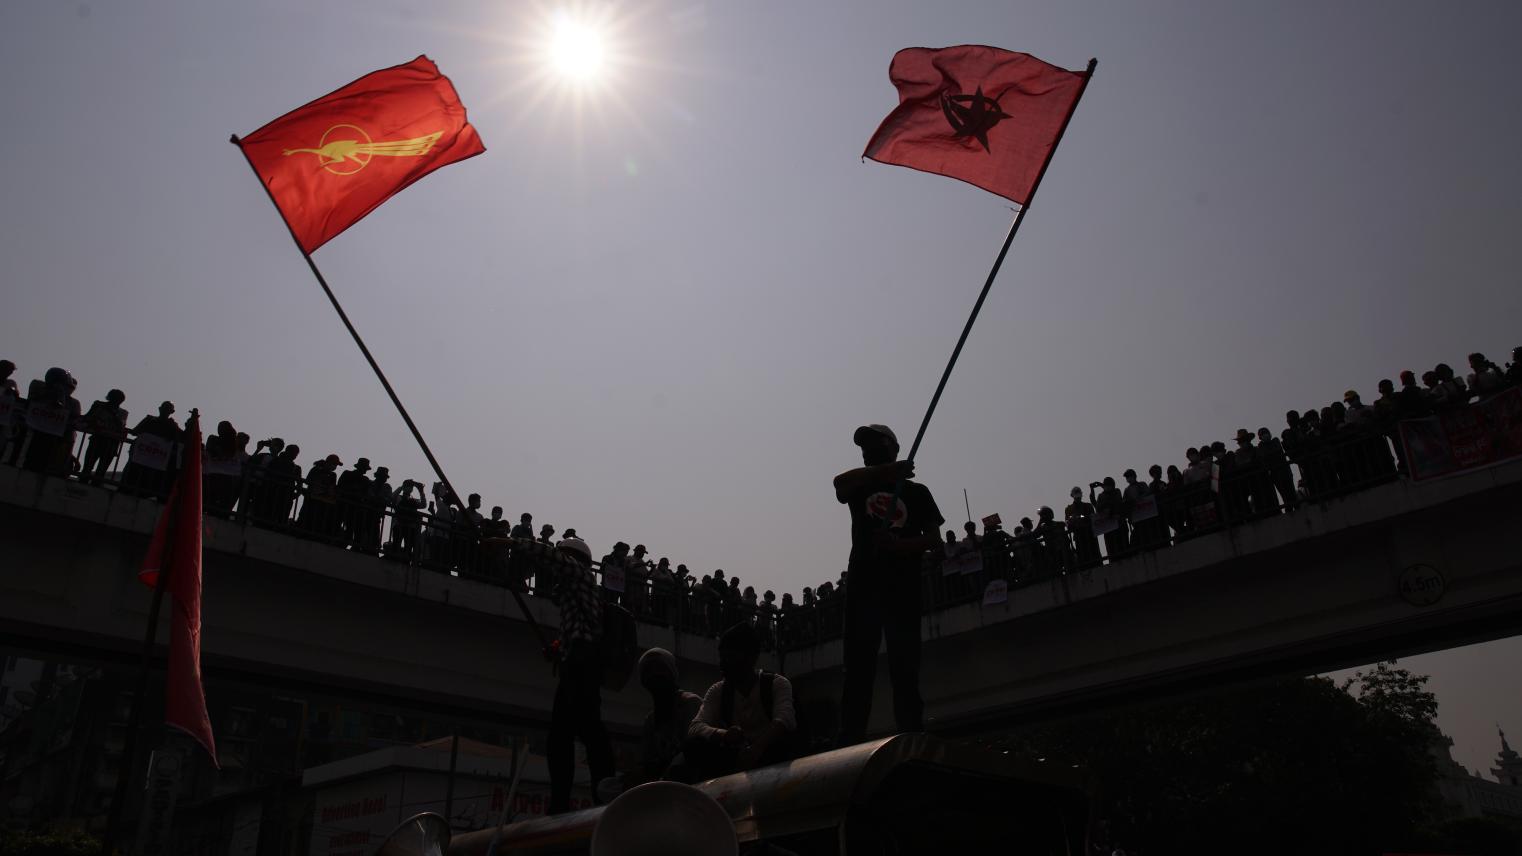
140 693
381 376
998 261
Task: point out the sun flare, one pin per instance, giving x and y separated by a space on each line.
578 49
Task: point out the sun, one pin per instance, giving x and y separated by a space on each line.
578 49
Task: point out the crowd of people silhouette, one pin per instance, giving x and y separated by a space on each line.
1336 449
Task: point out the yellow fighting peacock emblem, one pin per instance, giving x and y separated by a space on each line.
340 154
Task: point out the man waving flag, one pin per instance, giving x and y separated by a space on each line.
331 162
987 116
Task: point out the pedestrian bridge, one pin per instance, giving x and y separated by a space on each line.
1395 570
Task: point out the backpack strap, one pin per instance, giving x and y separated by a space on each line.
727 698
767 679
727 705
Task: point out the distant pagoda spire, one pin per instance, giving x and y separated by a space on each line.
1508 769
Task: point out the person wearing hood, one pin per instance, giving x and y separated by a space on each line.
672 712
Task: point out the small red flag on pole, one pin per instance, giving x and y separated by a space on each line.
987 116
176 551
329 163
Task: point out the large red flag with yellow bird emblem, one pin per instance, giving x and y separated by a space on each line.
329 163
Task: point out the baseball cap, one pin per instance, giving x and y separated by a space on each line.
865 431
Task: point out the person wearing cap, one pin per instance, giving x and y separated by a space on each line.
577 710
319 509
373 506
747 719
894 521
671 714
637 582
353 488
1360 415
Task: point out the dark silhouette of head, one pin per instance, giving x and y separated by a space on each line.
878 444
739 649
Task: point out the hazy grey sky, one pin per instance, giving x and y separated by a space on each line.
657 313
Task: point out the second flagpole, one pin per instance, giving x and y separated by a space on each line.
417 435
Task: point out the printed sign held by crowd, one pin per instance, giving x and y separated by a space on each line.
1483 433
613 577
44 418
151 451
1145 509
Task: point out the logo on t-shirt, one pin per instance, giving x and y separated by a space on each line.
878 504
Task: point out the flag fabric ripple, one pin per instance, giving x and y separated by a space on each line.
987 116
176 550
329 163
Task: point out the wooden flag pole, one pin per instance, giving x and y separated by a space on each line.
417 435
998 261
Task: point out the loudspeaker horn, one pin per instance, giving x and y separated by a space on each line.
664 819
424 834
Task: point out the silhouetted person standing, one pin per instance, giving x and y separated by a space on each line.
1079 516
894 521
577 711
52 413
106 423
353 488
10 413
151 459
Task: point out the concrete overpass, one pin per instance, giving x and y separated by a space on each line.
1312 591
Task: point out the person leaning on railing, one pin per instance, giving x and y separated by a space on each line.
106 423
52 416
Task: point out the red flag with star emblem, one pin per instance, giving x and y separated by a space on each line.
987 116
175 549
329 163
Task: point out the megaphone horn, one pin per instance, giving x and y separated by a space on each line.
424 834
664 819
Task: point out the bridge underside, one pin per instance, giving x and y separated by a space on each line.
1300 594
1309 592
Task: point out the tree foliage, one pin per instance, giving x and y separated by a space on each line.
1303 763
60 841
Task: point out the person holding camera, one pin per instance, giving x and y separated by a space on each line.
406 521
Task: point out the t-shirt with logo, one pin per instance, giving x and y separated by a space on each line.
914 515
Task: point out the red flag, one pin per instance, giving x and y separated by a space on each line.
329 163
176 550
987 116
